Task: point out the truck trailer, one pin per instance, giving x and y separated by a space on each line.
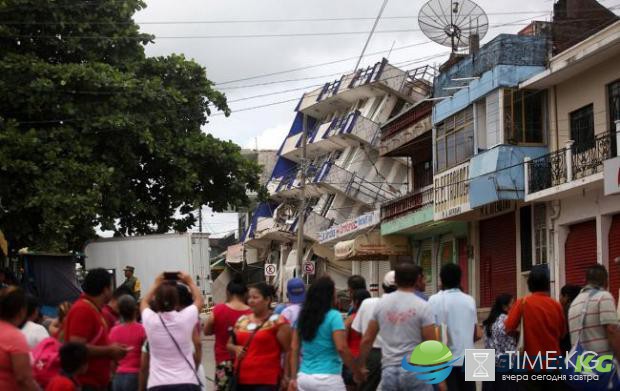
152 255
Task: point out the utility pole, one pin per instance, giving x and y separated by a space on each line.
372 31
302 195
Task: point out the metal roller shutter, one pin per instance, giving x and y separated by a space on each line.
580 252
464 264
614 256
498 258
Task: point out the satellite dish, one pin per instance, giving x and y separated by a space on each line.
452 23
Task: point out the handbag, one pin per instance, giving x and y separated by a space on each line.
234 380
176 344
606 380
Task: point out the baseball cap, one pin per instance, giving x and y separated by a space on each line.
296 290
129 268
390 278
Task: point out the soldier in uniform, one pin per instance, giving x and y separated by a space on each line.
132 281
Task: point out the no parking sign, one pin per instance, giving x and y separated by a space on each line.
309 268
270 270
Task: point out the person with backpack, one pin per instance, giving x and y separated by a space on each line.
131 334
73 362
170 334
15 369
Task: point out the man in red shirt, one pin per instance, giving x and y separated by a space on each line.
85 324
544 324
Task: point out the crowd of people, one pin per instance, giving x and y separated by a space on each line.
109 339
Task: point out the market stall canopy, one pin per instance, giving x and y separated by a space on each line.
371 246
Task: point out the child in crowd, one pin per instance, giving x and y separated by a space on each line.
131 334
73 362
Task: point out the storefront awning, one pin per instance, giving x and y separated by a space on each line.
371 246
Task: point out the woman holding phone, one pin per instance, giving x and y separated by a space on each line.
169 332
258 342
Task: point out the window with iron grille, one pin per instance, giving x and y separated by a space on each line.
582 128
455 139
540 234
524 116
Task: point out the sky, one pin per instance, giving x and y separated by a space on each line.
181 27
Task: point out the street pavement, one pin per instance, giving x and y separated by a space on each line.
208 360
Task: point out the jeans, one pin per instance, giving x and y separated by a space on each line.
397 379
373 364
125 382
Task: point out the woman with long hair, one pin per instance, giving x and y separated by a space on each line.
321 338
219 323
169 332
497 338
258 341
15 369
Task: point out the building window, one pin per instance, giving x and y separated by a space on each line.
524 116
455 139
582 128
540 234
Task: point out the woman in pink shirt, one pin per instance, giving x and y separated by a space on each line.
131 334
15 370
221 320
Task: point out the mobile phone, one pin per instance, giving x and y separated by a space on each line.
171 276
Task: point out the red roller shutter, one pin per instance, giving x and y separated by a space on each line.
498 258
614 254
580 252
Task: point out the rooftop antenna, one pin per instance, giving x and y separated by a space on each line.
452 23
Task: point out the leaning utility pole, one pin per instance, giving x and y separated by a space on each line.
302 195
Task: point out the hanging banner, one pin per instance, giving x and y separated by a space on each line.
364 221
372 246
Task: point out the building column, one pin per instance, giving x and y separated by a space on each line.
560 237
603 225
474 241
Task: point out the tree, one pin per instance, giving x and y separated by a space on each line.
94 133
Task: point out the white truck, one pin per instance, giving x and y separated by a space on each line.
152 255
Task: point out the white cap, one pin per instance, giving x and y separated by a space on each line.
390 278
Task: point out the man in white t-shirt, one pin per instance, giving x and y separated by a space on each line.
457 311
33 331
360 324
403 321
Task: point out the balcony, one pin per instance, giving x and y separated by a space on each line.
347 130
315 223
336 178
398 134
566 169
344 92
407 204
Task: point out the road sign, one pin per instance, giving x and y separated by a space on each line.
309 267
270 270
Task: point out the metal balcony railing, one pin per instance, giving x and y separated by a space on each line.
567 164
353 185
407 203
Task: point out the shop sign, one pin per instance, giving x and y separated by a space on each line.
496 208
361 222
611 176
452 192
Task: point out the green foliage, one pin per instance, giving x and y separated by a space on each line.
92 132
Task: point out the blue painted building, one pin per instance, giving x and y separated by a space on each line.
482 131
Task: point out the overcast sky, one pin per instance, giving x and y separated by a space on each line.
228 59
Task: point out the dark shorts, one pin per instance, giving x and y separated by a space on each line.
176 387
